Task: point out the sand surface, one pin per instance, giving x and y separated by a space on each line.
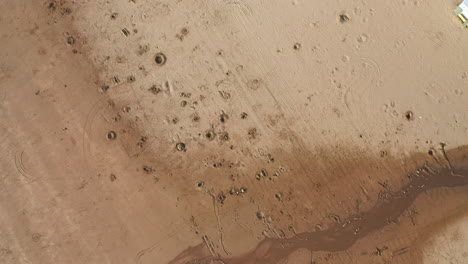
230 131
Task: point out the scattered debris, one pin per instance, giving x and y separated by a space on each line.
252 133
223 117
237 191
255 84
52 5
411 213
104 88
181 147
378 251
356 230
260 215
384 184
147 169
185 95
278 196
225 95
409 115
262 174
400 251
183 33
335 217
195 118
131 79
155 89
461 11
111 135
126 32
297 46
218 165
224 136
221 197
116 79
112 177
142 49
210 134
385 195
383 153
209 245
71 40
344 18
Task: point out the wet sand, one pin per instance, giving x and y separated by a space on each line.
340 237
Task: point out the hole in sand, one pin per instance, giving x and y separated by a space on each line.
160 59
409 115
111 135
344 18
210 135
297 46
180 146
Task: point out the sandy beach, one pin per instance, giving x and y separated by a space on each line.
233 132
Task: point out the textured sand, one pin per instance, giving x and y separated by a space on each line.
269 132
